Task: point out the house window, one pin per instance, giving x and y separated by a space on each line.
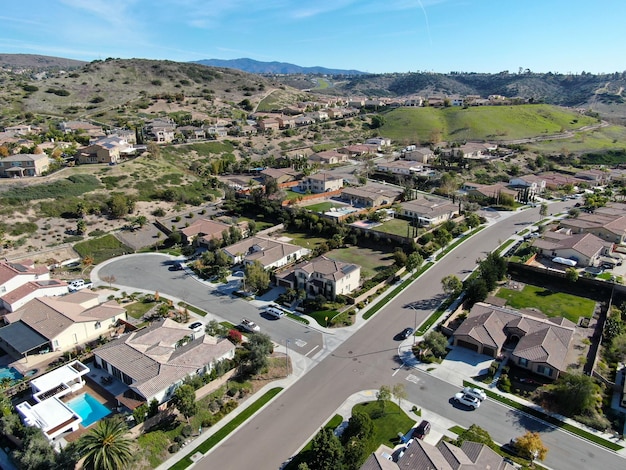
543 370
523 362
97 325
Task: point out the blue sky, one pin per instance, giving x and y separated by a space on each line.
374 36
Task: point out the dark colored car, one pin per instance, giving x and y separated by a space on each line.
406 333
422 430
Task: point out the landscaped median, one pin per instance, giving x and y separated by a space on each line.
229 427
549 419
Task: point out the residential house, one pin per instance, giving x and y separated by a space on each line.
429 210
286 122
329 157
59 323
193 133
202 231
155 360
90 129
380 142
280 175
335 113
555 181
420 455
14 275
594 177
321 183
414 102
221 131
322 276
372 195
421 155
604 224
374 103
303 120
161 130
319 116
532 341
356 102
476 150
128 135
268 124
585 248
269 252
22 129
534 184
18 297
105 150
491 192
24 164
400 167
358 150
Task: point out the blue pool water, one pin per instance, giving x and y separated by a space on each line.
88 408
10 373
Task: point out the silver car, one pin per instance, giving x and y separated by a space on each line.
475 392
467 400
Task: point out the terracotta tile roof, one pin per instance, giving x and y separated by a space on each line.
30 287
206 227
10 270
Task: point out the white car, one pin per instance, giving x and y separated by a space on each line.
250 326
475 392
467 400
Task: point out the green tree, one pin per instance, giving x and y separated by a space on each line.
571 274
576 394
105 447
377 121
214 328
120 205
472 220
258 347
36 452
399 393
414 261
475 434
451 285
81 226
257 279
383 396
436 342
543 210
326 451
184 400
475 291
530 446
360 426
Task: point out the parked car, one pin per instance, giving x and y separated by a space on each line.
250 326
78 284
422 430
196 326
404 334
467 400
475 392
274 311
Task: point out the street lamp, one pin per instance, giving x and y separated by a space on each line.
287 355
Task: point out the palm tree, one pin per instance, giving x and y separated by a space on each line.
105 447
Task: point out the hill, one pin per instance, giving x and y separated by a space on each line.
37 62
255 66
118 90
490 123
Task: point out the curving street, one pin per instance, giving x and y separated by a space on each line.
365 360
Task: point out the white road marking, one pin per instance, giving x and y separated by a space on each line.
317 346
300 343
412 378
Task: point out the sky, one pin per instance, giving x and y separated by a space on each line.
376 36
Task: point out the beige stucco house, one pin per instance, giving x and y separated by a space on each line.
321 183
24 164
270 253
428 209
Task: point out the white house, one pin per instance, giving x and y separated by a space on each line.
31 290
155 360
321 183
270 253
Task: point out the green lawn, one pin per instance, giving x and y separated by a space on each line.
605 138
398 227
291 195
387 426
553 304
138 309
322 206
480 123
304 240
102 249
370 260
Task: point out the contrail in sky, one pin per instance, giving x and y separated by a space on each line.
430 39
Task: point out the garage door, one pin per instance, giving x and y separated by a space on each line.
467 345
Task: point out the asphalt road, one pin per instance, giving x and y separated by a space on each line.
150 272
368 359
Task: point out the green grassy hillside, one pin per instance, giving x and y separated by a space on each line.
480 123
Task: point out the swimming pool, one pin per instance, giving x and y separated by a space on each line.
10 373
88 408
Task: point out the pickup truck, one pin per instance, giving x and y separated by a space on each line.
250 326
79 284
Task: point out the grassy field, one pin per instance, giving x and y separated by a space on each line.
323 206
605 138
304 240
398 227
102 249
387 426
369 260
138 309
480 123
553 304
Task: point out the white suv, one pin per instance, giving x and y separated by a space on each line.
467 400
475 392
274 312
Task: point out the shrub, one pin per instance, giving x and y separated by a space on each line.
173 448
186 431
504 383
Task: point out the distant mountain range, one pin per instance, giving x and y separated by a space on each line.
255 66
38 62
